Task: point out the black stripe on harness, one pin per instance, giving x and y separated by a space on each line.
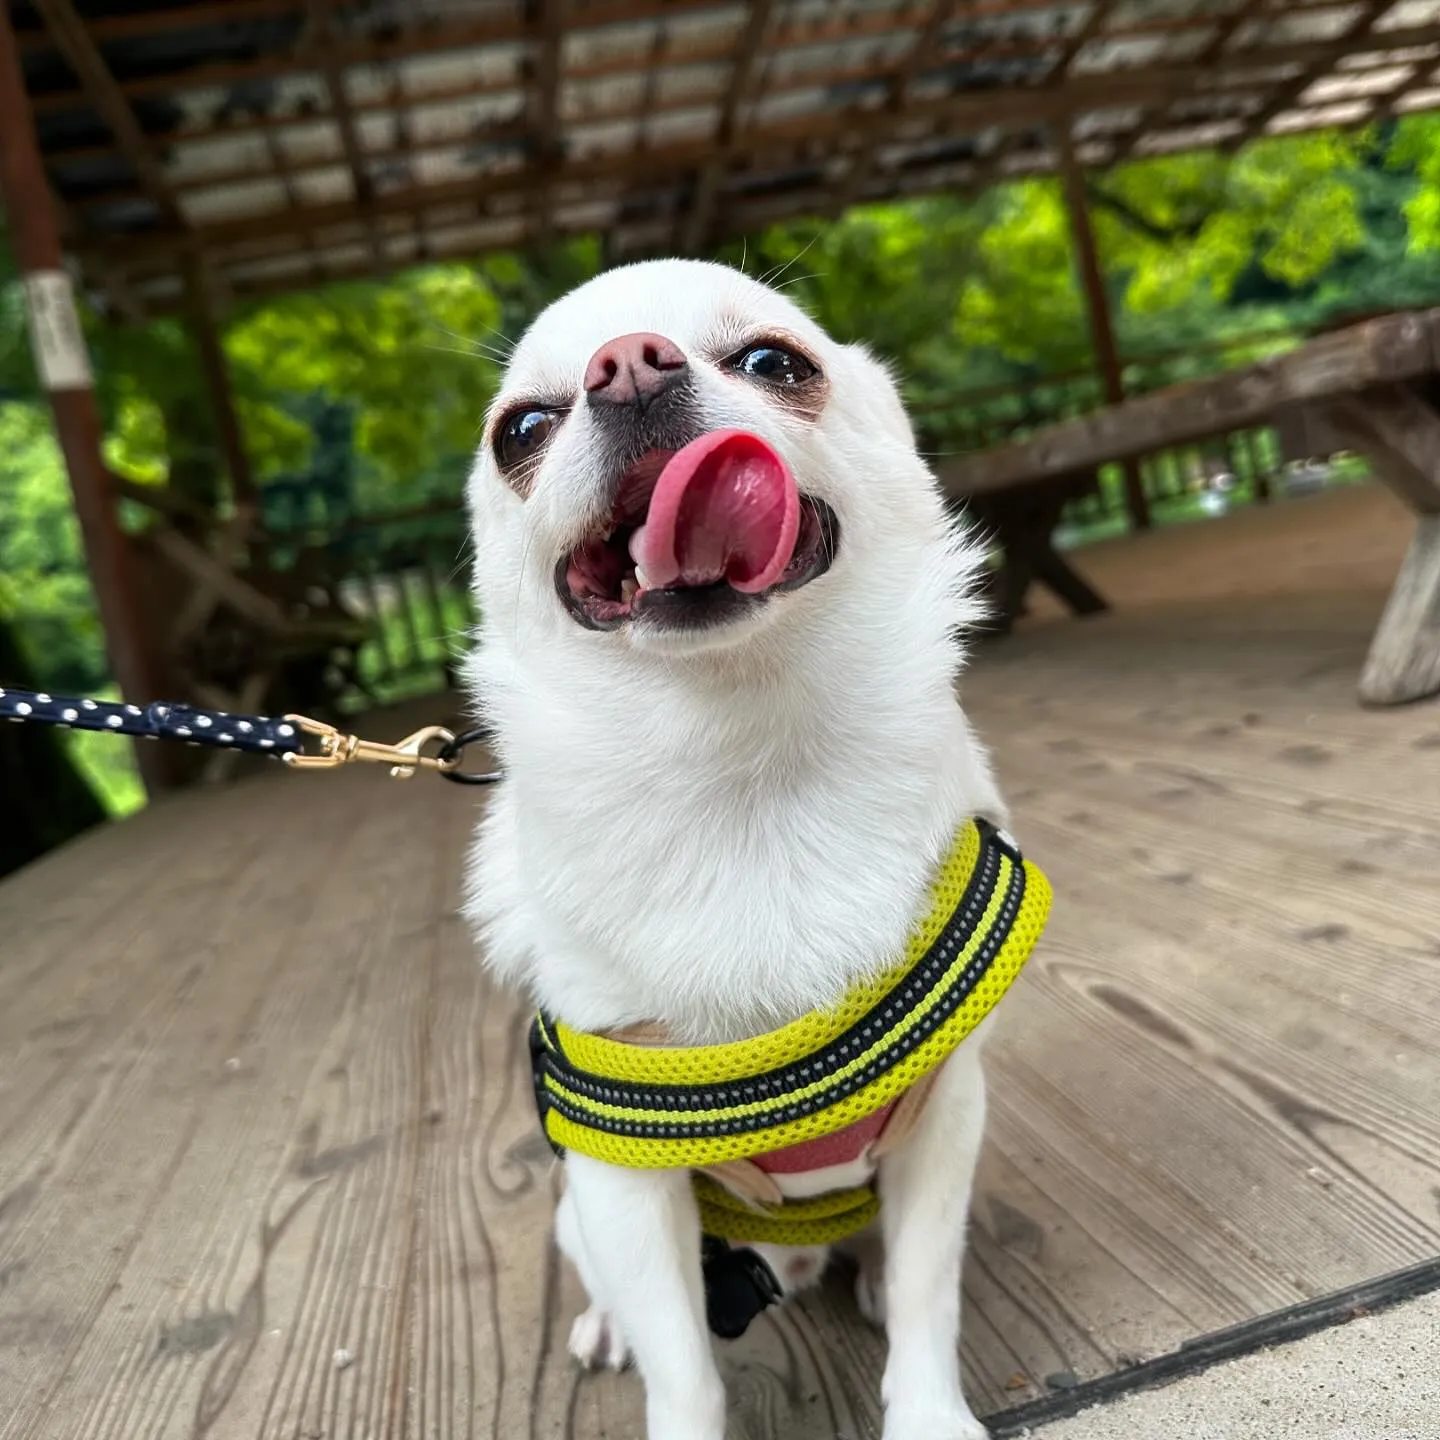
674 1104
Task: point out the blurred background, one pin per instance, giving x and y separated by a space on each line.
304 236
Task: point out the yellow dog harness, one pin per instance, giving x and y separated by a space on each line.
699 1107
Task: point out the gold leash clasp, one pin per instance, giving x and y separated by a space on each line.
337 748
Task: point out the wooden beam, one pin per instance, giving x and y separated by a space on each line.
1097 308
1022 105
64 370
1361 357
326 42
478 35
896 95
1400 432
518 130
545 135
83 56
1225 31
200 304
743 71
510 130
980 108
1358 29
610 67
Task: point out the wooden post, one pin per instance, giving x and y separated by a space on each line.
64 369
1097 304
206 332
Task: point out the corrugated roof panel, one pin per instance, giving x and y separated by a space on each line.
310 144
1356 85
376 131
450 70
1135 13
215 203
606 138
226 155
323 187
1188 137
1374 59
1298 26
1409 13
1319 117
1108 121
679 127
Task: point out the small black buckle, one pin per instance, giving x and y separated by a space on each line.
739 1285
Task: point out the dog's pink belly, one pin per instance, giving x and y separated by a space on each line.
842 1148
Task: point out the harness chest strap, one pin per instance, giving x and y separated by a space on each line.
707 1107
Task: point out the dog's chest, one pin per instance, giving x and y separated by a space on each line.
722 925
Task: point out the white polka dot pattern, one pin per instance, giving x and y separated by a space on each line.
214 729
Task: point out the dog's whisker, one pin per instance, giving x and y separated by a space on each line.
771 278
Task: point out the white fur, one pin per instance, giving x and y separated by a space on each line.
723 834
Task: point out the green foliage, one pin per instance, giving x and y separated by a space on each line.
45 595
368 396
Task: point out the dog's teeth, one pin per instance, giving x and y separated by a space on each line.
627 590
641 580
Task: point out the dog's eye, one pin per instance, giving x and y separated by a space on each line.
773 365
522 435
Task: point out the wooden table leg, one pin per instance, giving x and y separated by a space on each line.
1400 432
1024 525
1054 571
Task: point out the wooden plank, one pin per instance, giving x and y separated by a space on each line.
1214 1093
1376 353
1019 106
1400 432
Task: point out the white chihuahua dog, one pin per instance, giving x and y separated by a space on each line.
734 759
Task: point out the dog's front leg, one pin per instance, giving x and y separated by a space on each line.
925 1203
641 1232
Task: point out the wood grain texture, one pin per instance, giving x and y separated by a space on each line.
258 1104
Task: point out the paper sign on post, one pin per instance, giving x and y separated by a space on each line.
55 334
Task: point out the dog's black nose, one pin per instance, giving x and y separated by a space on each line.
633 370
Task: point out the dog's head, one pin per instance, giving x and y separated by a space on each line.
679 458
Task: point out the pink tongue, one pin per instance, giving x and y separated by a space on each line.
724 508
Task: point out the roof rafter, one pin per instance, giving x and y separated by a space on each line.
743 72
863 165
1358 29
83 56
325 43
544 104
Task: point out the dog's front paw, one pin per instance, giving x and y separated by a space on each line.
959 1424
596 1341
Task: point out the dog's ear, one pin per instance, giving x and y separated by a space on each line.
884 387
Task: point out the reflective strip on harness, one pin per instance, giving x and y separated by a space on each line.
689 1107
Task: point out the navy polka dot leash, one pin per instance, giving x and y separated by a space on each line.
431 748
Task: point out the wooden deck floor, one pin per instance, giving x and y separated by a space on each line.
258 1106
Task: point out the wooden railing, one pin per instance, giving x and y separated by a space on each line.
407 573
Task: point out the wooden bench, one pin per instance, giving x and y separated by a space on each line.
1373 388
